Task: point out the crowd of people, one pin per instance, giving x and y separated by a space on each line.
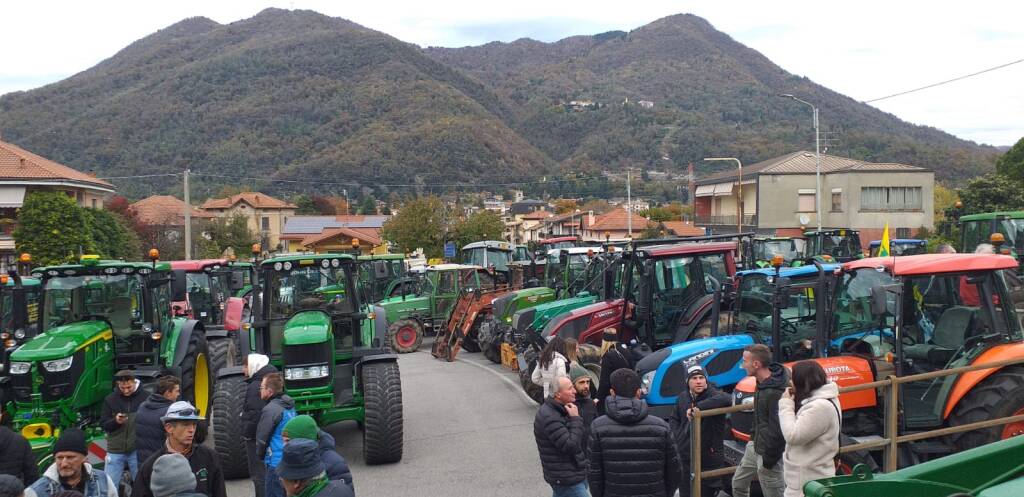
607 444
154 447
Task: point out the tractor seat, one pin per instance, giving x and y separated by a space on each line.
949 335
120 315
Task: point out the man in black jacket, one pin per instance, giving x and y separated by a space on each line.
149 430
180 425
763 454
17 459
118 420
257 366
632 454
700 395
558 430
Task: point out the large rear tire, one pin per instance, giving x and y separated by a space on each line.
469 342
999 395
223 353
196 384
405 335
382 424
533 390
228 397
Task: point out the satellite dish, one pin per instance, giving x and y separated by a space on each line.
804 220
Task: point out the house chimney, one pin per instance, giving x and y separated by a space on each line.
21 161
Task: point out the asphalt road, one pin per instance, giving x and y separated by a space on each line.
468 431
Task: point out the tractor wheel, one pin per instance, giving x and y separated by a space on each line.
846 461
223 353
405 335
490 342
196 386
382 424
228 396
533 390
999 395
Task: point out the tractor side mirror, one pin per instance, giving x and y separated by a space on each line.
237 281
380 269
783 291
179 290
879 301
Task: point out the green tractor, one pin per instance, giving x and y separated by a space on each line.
332 350
762 249
976 229
98 317
410 315
832 245
382 276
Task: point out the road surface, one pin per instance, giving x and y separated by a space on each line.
468 431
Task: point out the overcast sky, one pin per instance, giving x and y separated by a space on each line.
865 50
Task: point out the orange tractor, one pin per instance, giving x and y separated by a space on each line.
907 315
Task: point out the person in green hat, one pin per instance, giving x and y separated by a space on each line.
304 427
301 473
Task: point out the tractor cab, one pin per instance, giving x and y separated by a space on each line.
547 244
382 276
833 245
763 249
566 269
976 229
19 315
491 255
900 246
218 293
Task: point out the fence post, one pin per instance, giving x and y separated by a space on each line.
694 467
892 417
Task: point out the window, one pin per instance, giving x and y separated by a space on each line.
837 200
897 198
805 200
902 232
265 223
93 203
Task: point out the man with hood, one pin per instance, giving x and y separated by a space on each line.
700 395
180 424
149 430
763 454
631 452
118 420
69 471
304 428
279 410
17 459
256 367
172 477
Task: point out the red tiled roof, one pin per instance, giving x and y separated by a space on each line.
164 210
255 199
17 163
616 220
682 228
369 235
537 215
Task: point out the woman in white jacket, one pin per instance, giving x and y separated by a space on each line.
812 430
551 364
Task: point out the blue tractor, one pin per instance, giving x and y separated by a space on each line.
774 306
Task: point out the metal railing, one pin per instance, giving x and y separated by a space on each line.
748 220
891 437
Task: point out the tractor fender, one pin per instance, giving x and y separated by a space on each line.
967 381
228 371
233 313
370 359
181 344
217 332
243 342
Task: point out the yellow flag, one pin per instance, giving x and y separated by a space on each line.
883 248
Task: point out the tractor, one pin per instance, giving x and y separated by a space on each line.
832 245
906 315
762 249
19 321
900 246
384 275
98 317
332 349
546 244
976 229
216 292
494 256
410 315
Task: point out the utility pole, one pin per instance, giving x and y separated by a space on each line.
817 157
188 220
629 203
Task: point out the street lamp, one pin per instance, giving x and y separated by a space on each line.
817 158
739 202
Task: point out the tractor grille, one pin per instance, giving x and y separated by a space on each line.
308 355
61 385
21 384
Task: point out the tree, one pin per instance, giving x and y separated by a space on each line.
482 225
231 190
112 236
53 228
565 205
368 206
304 205
597 205
226 232
420 223
1011 164
992 192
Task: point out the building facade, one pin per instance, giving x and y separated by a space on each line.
266 215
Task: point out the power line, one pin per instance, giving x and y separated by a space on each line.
396 185
945 82
141 176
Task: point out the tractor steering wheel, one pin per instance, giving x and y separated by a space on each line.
788 327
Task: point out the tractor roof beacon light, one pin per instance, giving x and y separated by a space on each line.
154 255
778 260
4 279
25 258
997 239
90 260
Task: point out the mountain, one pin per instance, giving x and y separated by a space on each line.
310 102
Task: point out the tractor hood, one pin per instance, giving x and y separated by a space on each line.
61 341
664 371
307 327
399 300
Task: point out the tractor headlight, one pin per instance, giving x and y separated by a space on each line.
645 382
19 334
58 365
20 367
306 373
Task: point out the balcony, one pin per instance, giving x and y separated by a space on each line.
719 224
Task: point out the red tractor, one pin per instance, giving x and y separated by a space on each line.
914 314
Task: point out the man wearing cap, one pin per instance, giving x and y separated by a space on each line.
700 395
180 425
304 427
118 420
302 473
69 470
582 381
172 477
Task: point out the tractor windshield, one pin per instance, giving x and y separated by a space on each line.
678 282
764 250
853 317
839 246
114 297
977 232
309 288
487 257
571 274
206 293
7 323
754 312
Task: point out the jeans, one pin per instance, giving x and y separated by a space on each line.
578 490
273 484
257 468
772 482
114 465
